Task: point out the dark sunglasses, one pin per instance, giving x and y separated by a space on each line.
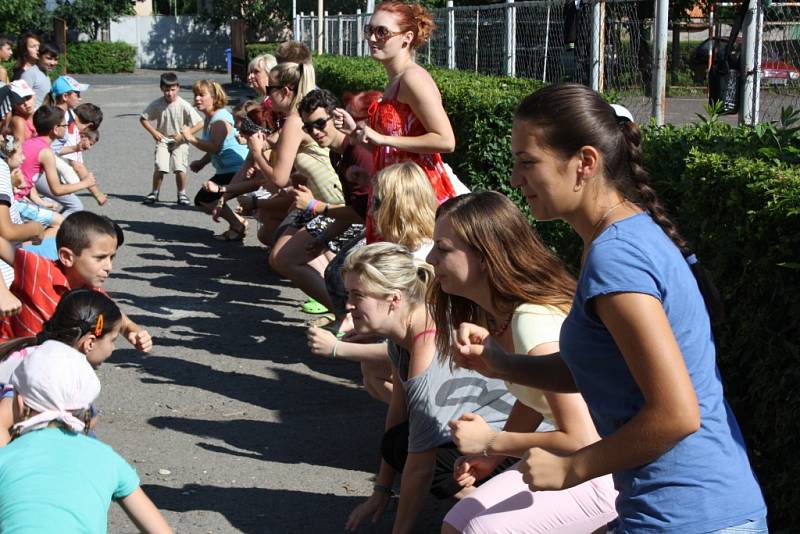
381 33
318 124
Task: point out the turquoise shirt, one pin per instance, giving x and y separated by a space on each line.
52 480
231 155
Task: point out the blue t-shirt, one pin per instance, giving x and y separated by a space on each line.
704 482
231 154
54 477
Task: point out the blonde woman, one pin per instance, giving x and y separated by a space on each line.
386 288
223 151
404 206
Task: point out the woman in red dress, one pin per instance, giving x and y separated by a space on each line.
409 122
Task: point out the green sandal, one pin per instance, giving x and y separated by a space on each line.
313 307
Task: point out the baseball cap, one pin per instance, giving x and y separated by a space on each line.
20 90
67 84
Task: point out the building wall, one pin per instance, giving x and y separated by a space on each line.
164 42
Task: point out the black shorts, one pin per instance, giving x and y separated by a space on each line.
394 449
207 197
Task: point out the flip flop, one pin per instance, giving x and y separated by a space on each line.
232 235
322 321
313 307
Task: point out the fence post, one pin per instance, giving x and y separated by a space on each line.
451 35
313 21
341 35
294 20
477 36
359 33
751 64
511 38
320 28
598 34
326 33
546 44
660 61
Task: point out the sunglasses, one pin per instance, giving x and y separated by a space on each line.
318 124
381 33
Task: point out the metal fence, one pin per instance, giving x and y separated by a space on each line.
605 44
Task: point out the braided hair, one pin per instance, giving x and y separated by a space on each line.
570 116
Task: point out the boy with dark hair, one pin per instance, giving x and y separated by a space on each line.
87 244
6 53
171 114
39 167
37 76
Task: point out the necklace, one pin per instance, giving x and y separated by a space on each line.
599 223
494 329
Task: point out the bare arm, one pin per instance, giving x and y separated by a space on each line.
641 330
152 131
136 335
144 513
291 137
18 232
48 161
414 487
420 92
216 137
17 127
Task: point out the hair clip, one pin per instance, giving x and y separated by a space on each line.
622 113
98 326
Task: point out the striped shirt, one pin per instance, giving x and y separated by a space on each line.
314 163
39 284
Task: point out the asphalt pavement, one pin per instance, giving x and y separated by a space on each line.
231 424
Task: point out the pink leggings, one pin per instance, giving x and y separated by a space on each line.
504 504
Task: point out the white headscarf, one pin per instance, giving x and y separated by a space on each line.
55 380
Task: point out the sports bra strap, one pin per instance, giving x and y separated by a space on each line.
424 332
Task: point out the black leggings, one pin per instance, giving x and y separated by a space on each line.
207 197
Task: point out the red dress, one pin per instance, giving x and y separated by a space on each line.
392 117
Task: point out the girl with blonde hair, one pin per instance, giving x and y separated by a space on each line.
386 288
222 150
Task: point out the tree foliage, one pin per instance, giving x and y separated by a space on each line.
266 19
90 16
19 16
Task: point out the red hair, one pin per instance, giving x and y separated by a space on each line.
358 104
411 18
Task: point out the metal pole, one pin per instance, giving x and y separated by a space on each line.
660 61
359 33
511 38
477 36
546 44
594 66
750 65
451 35
314 22
295 31
326 33
341 35
320 27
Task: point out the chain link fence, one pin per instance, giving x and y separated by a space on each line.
548 40
780 60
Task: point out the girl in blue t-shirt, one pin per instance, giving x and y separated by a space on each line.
637 342
52 476
86 320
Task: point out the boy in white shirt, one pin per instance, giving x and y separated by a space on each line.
171 114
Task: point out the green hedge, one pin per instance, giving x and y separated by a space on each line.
735 193
97 57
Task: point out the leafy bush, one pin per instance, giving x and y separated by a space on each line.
99 57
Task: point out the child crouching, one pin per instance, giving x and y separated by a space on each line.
53 474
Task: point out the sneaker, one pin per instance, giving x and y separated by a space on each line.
152 198
183 199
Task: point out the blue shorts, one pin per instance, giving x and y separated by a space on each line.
31 212
46 249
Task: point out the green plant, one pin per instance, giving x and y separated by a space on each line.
100 57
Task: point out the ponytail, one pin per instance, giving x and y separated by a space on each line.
646 198
568 117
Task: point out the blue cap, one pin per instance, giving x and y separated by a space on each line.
67 84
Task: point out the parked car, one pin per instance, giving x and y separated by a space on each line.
773 69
